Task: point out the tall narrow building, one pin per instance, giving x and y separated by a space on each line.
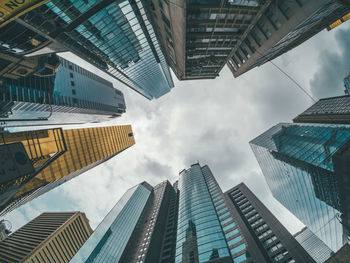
85 149
116 37
50 237
306 167
347 84
334 110
192 221
65 94
200 37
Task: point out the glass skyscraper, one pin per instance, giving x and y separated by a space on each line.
306 167
84 149
115 36
347 84
72 95
191 221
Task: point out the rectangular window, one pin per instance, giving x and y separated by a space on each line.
73 92
71 75
72 83
237 249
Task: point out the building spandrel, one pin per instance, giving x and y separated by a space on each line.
85 149
305 166
54 91
114 36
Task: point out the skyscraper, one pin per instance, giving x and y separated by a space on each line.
50 237
200 37
192 221
313 245
267 240
42 96
114 36
335 110
85 149
306 167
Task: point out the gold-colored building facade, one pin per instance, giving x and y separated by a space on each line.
50 237
85 149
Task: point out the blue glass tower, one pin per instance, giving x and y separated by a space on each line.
306 167
115 36
200 231
71 95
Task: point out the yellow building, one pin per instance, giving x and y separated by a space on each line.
50 237
85 149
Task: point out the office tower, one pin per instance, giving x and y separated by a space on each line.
191 221
54 91
85 149
114 36
334 110
347 84
25 154
133 231
200 37
306 167
313 245
266 238
50 237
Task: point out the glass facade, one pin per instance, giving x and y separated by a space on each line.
297 161
200 236
108 241
115 36
86 148
69 96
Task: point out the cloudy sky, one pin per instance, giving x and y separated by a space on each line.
208 121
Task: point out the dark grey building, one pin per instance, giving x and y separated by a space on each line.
328 110
267 239
200 37
192 221
314 246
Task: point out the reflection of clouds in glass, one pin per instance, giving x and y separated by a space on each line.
296 162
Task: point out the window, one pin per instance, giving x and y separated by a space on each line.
71 75
275 248
70 67
75 101
238 249
270 240
73 92
72 83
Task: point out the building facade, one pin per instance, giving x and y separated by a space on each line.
191 221
334 110
267 240
306 168
67 94
85 149
200 37
116 37
281 26
313 245
50 237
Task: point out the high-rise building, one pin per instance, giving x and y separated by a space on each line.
334 110
116 37
84 149
267 240
50 237
306 167
200 37
347 84
66 94
191 221
313 245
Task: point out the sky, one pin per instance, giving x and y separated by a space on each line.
206 121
